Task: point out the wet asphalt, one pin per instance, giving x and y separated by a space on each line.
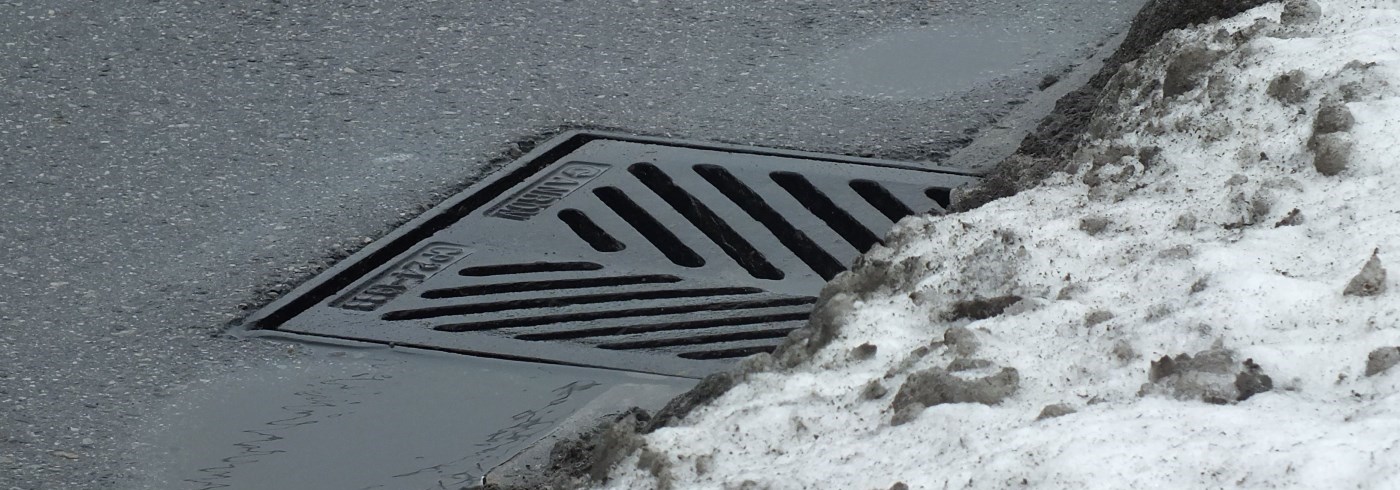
164 165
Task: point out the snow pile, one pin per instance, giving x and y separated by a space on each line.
1186 308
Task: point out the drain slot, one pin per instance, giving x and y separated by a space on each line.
526 304
665 327
534 286
794 239
649 227
944 197
725 353
529 268
881 198
825 209
707 221
630 313
698 339
590 232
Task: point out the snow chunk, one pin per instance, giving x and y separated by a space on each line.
1370 281
934 386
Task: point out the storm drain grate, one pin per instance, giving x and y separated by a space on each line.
650 255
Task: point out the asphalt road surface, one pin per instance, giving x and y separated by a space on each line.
163 164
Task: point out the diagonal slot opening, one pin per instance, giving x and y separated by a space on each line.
699 339
665 327
629 313
526 286
944 197
794 239
709 223
881 198
528 268
653 230
555 302
823 208
728 353
589 231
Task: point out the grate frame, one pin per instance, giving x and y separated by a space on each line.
706 261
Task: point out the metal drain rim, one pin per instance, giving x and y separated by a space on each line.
368 267
289 304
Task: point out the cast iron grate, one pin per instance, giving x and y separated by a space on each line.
641 254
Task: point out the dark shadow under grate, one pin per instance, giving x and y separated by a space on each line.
648 255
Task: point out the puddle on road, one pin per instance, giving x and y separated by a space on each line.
363 418
953 55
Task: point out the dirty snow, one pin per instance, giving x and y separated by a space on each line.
1174 234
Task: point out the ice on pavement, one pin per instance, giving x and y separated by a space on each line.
1237 181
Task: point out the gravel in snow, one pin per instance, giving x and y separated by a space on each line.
1199 301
